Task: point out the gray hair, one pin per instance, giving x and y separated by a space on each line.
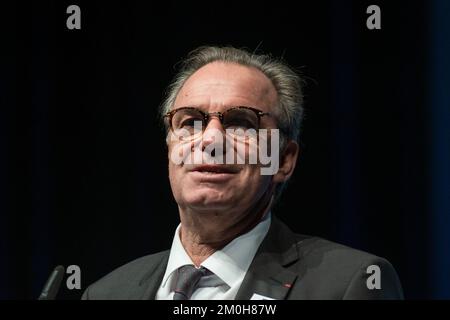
287 82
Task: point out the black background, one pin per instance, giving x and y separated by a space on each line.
84 164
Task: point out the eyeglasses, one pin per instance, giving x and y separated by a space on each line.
235 118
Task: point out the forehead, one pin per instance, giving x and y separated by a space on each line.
218 85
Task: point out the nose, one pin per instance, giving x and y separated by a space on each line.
214 122
214 134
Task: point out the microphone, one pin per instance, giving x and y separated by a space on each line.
52 285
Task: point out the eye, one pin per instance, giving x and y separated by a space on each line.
240 124
241 118
188 119
189 122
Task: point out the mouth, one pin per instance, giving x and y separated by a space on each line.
213 173
215 169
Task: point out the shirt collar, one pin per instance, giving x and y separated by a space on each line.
230 263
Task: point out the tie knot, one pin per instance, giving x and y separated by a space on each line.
187 278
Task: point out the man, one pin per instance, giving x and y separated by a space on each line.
229 245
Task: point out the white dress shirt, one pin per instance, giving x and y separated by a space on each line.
228 265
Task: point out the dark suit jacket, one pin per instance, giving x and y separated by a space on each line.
286 266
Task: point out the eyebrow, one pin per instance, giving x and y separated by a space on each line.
202 108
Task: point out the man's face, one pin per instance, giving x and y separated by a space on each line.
215 88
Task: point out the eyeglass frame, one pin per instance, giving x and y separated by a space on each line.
220 115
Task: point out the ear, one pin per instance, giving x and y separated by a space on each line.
288 160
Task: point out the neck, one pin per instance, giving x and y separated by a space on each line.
203 233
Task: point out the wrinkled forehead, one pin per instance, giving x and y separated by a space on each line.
218 85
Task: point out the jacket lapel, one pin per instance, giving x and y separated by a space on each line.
268 274
152 279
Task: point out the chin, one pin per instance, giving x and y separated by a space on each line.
209 199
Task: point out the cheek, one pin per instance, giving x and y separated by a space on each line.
174 177
252 180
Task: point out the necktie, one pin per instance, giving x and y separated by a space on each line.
187 278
